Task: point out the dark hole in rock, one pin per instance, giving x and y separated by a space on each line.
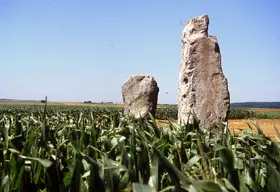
185 80
217 48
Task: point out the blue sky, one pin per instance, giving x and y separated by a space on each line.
85 50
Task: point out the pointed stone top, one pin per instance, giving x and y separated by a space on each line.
196 28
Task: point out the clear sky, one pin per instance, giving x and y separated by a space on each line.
77 50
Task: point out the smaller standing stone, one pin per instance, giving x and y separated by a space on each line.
140 96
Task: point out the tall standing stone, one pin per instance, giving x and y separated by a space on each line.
140 96
203 89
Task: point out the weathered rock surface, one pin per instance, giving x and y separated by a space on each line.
203 89
140 96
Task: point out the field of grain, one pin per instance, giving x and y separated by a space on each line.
267 125
81 148
235 125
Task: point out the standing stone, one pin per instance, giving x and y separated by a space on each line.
203 89
140 96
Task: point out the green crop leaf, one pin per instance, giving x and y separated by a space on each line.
228 185
76 176
44 162
273 179
175 174
193 160
124 182
277 132
206 186
142 188
153 182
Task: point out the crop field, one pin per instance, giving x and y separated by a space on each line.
78 104
267 119
264 110
236 125
82 148
267 125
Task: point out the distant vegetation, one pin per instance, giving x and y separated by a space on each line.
274 105
164 112
88 102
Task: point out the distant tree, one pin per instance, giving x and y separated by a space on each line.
43 101
87 102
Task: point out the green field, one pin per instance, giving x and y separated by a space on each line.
82 148
9 102
18 102
164 111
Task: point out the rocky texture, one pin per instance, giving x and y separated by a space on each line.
203 89
140 96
